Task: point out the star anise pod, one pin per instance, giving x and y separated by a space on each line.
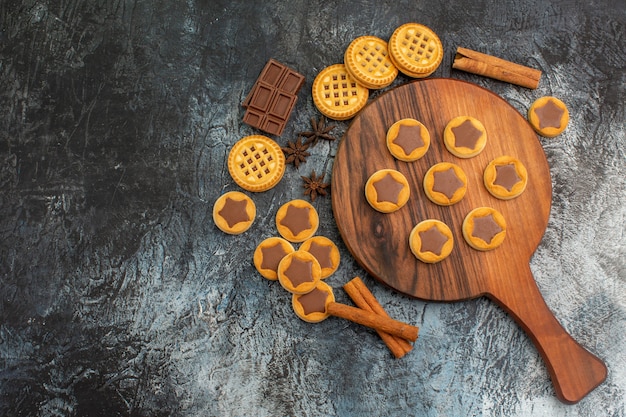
296 152
320 131
314 186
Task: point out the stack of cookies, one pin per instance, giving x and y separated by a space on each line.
340 91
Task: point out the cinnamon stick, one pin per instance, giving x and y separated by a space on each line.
375 321
497 68
363 298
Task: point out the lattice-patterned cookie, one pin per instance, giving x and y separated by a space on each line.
415 50
256 163
367 61
336 94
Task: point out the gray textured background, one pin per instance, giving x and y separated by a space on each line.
119 296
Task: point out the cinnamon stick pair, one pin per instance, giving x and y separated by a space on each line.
364 299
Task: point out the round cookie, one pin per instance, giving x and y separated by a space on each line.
256 163
484 228
505 177
299 272
408 140
297 220
431 241
387 190
465 137
325 251
336 94
367 61
548 116
234 212
311 307
268 254
445 183
415 50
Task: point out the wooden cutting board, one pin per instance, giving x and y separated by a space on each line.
380 242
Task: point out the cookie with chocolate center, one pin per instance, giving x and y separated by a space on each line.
431 241
387 190
234 212
465 137
408 140
505 177
548 116
484 228
445 183
297 220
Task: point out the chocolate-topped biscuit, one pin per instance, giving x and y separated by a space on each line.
505 177
387 190
297 220
268 254
445 183
299 272
311 307
431 241
408 140
465 137
325 251
484 228
234 212
548 116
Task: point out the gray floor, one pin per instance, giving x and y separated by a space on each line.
119 296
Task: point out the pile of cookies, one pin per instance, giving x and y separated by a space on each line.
298 271
341 90
445 184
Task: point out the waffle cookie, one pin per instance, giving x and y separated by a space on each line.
234 212
336 94
311 307
415 50
368 63
268 254
408 140
299 272
297 220
465 137
505 177
431 241
484 228
325 251
256 163
445 183
387 190
548 116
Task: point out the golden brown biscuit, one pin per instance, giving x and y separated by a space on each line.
311 307
445 183
325 251
505 177
484 228
431 241
336 94
387 190
256 163
548 116
367 60
299 272
268 254
415 50
234 212
465 137
408 140
297 220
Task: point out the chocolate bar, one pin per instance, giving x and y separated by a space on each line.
272 98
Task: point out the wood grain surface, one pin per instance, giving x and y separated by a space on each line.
380 242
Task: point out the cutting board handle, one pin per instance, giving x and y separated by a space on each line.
574 371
